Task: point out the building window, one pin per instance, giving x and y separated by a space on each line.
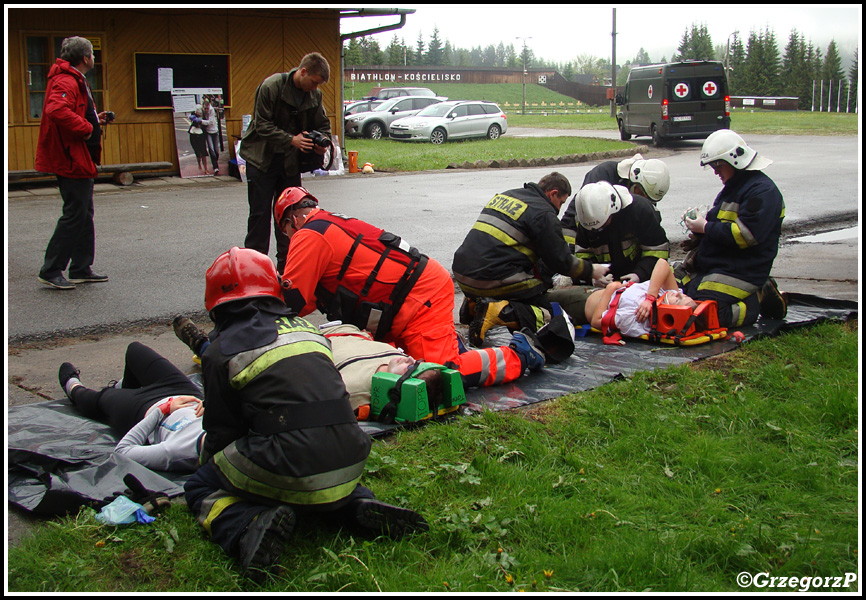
41 52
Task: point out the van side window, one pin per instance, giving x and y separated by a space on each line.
475 109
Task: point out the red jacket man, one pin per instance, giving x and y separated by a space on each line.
68 146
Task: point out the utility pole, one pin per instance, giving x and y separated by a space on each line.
524 69
613 65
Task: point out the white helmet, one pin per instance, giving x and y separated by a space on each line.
623 167
653 176
596 202
728 146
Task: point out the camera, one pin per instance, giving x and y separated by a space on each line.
109 116
318 138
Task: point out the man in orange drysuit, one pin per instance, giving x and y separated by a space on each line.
360 274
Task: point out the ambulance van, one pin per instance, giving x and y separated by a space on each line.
682 100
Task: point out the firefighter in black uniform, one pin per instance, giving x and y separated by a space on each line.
648 178
280 434
497 266
739 236
615 227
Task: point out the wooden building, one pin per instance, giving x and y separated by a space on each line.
251 44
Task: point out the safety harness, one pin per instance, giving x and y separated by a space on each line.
376 304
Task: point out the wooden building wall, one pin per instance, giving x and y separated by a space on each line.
260 42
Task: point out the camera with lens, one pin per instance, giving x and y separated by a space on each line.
109 116
318 138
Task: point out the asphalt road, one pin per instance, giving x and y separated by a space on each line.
155 242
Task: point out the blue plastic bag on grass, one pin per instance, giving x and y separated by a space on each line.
123 511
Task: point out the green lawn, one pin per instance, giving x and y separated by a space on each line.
671 481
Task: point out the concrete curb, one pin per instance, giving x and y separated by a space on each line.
546 161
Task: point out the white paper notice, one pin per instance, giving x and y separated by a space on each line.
165 79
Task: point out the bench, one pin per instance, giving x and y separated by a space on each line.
122 173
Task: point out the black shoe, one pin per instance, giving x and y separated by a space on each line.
393 521
89 277
58 282
467 311
187 332
67 371
773 304
263 541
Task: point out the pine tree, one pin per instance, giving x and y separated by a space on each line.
434 49
419 51
352 53
771 63
394 52
832 72
853 74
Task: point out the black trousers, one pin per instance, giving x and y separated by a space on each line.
74 237
206 493
148 377
263 189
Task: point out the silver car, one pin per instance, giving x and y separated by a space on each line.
457 119
374 124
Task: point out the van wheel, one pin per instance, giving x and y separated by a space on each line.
494 132
375 131
622 134
438 136
658 140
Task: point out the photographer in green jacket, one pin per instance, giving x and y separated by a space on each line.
287 106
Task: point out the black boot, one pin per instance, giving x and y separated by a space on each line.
263 541
393 521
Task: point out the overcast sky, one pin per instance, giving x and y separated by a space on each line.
563 32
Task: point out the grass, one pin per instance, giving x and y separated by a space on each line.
673 480
391 155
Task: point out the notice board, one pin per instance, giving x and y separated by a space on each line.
156 74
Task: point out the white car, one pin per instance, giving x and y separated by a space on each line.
457 119
374 123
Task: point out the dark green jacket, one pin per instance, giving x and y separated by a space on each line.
281 112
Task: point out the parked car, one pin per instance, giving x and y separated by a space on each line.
357 106
375 124
456 119
387 93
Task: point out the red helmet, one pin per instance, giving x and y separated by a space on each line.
240 273
290 197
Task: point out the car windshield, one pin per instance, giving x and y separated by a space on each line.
386 105
435 110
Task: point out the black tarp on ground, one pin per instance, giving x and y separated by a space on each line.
59 460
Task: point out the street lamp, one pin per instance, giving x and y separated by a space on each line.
728 53
524 69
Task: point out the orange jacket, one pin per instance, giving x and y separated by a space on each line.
325 255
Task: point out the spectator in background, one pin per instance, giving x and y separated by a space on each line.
69 147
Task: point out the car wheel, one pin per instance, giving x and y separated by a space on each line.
375 131
494 132
658 140
622 134
438 136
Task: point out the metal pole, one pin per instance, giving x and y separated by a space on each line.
830 96
613 64
524 68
